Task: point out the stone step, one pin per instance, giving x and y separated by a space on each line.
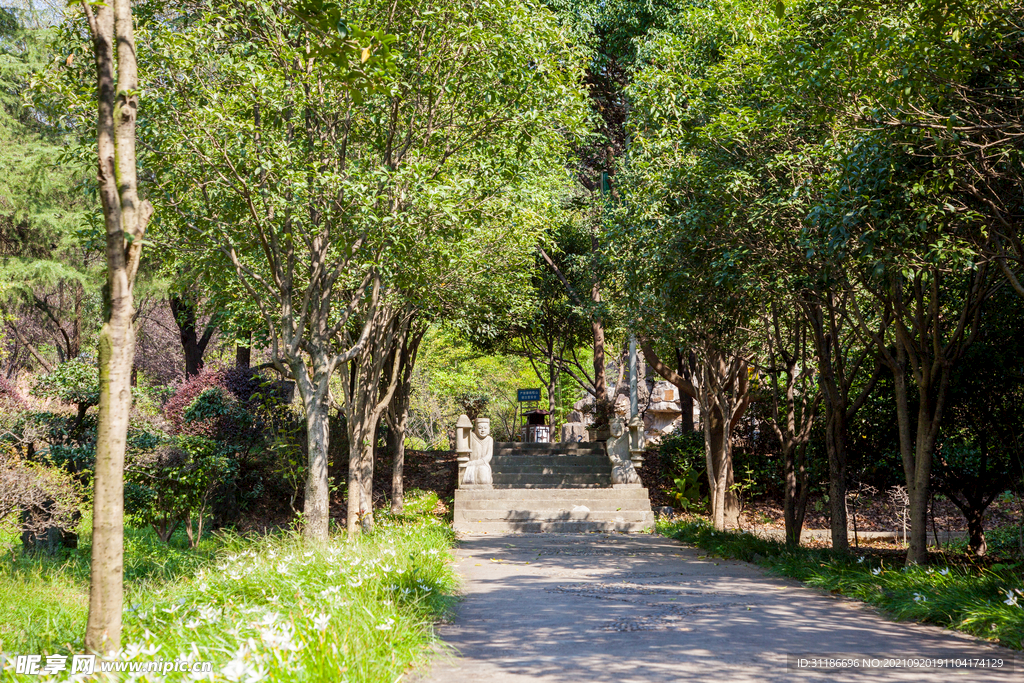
511 481
555 515
556 527
519 495
551 469
548 448
556 505
547 460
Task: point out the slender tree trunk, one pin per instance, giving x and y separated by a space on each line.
835 446
597 327
76 323
398 413
795 504
125 219
243 353
396 447
316 503
116 351
725 504
365 401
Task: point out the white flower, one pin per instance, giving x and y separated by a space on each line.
193 623
280 640
860 560
1011 599
355 583
309 554
238 667
203 587
320 623
386 626
386 568
327 591
944 571
132 650
876 571
210 614
920 598
269 619
256 674
929 571
282 568
234 576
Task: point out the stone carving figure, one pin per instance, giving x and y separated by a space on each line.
481 447
623 472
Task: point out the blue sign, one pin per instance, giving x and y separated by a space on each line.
527 395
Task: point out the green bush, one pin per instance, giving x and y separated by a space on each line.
988 603
685 453
175 483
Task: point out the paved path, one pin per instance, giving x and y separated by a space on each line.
594 608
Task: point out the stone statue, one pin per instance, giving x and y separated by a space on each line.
481 450
623 472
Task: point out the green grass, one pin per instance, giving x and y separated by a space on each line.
266 608
972 600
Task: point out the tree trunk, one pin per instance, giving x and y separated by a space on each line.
365 402
125 220
396 447
367 462
795 504
316 503
243 353
976 531
835 446
398 413
597 327
183 310
116 351
684 369
725 504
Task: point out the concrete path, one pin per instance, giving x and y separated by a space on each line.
596 607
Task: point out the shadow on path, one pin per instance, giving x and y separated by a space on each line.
601 607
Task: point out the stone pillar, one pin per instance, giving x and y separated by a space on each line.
462 448
636 441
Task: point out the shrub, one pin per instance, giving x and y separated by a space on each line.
11 399
43 499
176 483
75 382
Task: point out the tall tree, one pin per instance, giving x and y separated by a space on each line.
125 218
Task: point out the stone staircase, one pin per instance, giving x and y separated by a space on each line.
555 488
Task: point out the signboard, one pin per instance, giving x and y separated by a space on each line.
528 395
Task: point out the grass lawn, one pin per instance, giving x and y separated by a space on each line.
986 602
268 608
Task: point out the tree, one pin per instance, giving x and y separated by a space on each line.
793 406
125 218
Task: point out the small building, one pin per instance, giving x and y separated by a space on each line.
536 429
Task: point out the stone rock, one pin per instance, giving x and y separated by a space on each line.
665 512
575 416
573 432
